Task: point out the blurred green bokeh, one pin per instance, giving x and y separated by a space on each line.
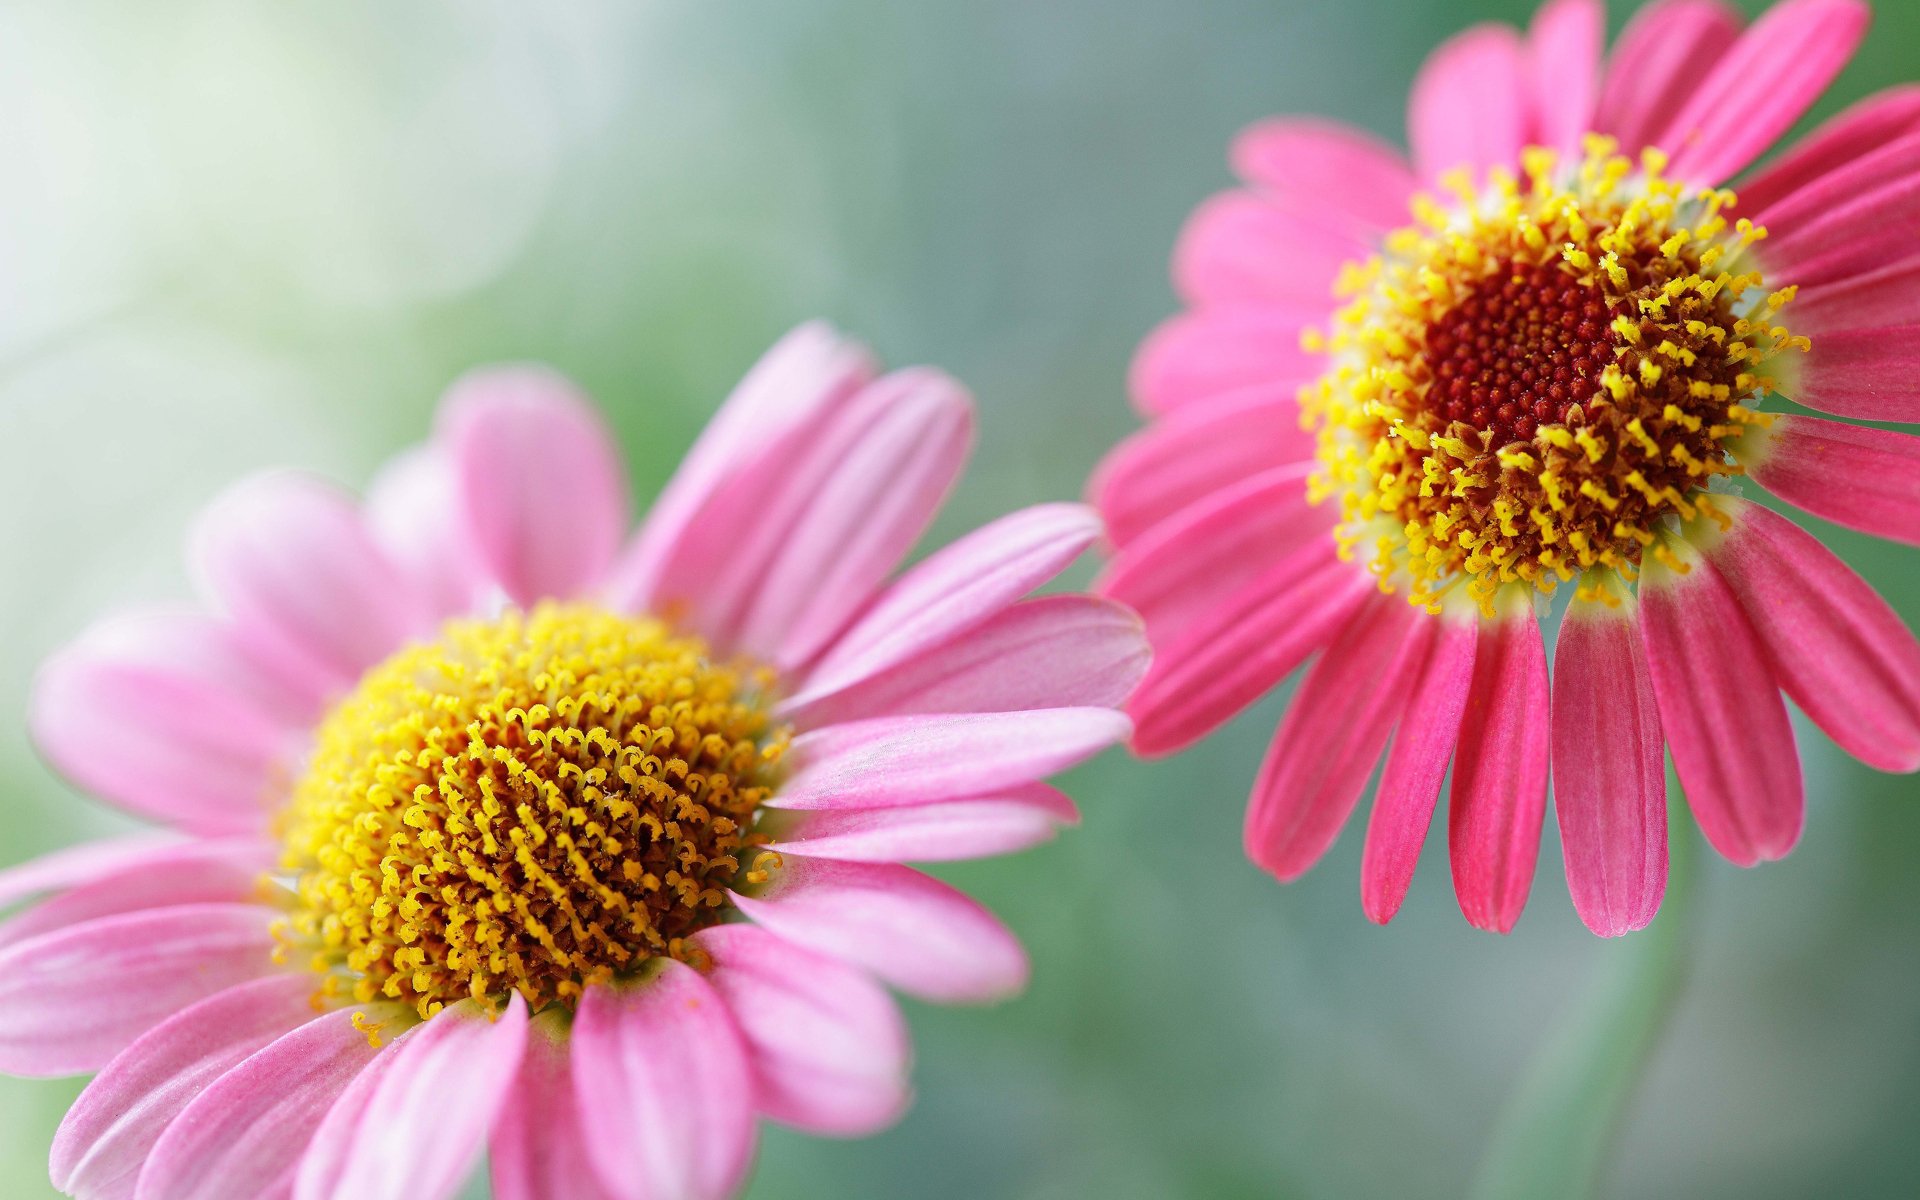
240 234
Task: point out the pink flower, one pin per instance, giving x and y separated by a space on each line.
492 826
1538 355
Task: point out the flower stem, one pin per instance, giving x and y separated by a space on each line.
1557 1127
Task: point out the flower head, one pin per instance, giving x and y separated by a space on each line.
491 826
1417 407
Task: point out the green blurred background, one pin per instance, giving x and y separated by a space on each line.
238 234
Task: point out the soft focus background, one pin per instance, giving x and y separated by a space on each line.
235 234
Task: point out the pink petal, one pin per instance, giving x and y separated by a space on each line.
807 374
411 1126
1332 736
196 872
1761 86
108 1133
290 559
1201 355
1233 655
75 997
1843 656
917 933
1881 118
1469 106
1410 783
244 1135
1869 190
1661 57
663 1087
1865 479
1500 774
1193 452
413 510
1887 297
907 760
1323 166
954 590
538 479
1187 566
828 1047
1051 652
1609 769
1563 70
539 1149
1869 374
1239 250
75 866
1724 720
939 832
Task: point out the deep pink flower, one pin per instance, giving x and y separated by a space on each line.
1536 355
491 826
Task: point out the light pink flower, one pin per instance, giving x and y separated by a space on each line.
491 826
1536 354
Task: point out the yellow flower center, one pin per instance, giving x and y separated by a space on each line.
532 803
1529 381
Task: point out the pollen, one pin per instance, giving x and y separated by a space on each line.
533 803
1540 374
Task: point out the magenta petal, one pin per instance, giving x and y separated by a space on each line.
1198 356
1870 374
72 999
1332 736
938 832
1724 720
539 1149
828 1047
196 872
244 1135
1068 651
1865 479
1761 86
908 760
1241 250
1563 70
917 933
1609 769
663 1087
1325 166
411 1126
1664 52
1422 746
1886 298
1858 199
1500 774
108 1133
1835 646
955 589
1469 106
1872 123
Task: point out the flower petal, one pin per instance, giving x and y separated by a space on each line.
1761 86
1609 769
1865 479
1500 774
539 1148
1069 651
828 1047
942 831
1240 250
1881 118
1469 106
1194 452
195 872
1315 165
1870 201
1840 652
1198 356
290 559
955 589
1334 731
538 479
76 866
663 1087
107 1135
1664 52
917 933
1723 717
907 760
244 1135
1563 70
75 997
1410 783
1869 374
413 510
1886 298
411 1126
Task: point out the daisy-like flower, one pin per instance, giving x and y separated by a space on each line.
494 828
1413 407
